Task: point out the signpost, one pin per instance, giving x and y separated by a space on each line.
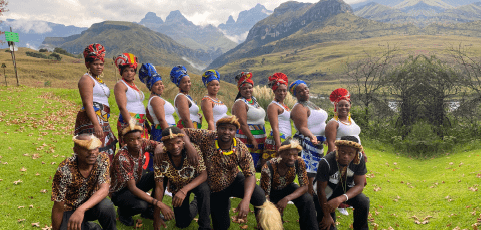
3 67
11 39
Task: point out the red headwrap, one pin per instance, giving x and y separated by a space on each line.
277 79
94 51
244 77
126 59
338 95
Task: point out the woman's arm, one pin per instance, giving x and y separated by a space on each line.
240 111
331 133
85 87
273 115
159 112
300 115
121 98
182 104
207 107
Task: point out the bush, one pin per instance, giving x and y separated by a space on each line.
62 51
55 56
37 55
42 50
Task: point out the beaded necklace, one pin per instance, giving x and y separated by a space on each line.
134 87
344 186
97 78
284 105
226 153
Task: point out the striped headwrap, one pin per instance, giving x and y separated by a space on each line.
148 75
294 85
277 79
126 59
209 76
242 78
94 52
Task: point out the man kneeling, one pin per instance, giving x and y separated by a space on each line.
184 178
80 187
340 178
277 180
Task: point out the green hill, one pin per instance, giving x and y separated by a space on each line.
147 45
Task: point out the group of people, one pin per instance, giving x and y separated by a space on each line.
214 164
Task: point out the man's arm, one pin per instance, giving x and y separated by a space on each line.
77 217
57 214
243 207
180 195
166 211
139 193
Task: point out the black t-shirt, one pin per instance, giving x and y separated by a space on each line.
328 171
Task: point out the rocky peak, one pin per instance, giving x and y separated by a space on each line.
151 17
177 17
230 21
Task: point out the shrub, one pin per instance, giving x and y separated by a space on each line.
55 56
37 55
62 51
42 50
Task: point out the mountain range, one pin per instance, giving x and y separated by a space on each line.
238 30
33 33
421 13
128 37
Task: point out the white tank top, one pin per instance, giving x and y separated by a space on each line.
101 92
255 113
168 111
316 122
134 100
348 130
193 109
219 110
284 120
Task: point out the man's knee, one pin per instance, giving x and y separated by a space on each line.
258 196
363 201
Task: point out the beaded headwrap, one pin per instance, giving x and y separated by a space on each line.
228 120
209 76
177 74
338 95
352 144
293 144
293 86
126 59
89 144
167 133
277 79
242 78
94 52
148 75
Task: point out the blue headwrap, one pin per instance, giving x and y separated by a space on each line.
292 87
209 76
148 75
177 74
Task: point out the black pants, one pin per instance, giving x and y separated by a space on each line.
220 201
201 204
360 203
104 211
304 204
128 203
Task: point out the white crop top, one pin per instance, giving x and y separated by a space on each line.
255 113
219 110
193 109
134 100
168 111
348 130
316 122
284 120
101 92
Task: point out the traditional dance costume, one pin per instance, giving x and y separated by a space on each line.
156 132
219 110
285 131
193 111
136 110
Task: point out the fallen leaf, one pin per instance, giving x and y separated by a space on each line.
53 163
20 220
37 174
425 222
427 217
415 217
43 191
244 226
18 181
417 222
47 227
21 207
23 169
36 224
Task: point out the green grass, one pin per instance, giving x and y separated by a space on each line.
41 121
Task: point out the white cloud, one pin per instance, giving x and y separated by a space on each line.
31 46
84 13
196 66
236 38
27 26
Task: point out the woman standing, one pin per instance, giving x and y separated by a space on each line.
341 125
213 108
159 111
94 115
185 106
128 97
279 116
251 116
310 122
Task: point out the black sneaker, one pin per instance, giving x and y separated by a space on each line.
126 220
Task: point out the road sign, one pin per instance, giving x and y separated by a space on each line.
11 37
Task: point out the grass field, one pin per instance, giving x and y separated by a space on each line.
37 124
